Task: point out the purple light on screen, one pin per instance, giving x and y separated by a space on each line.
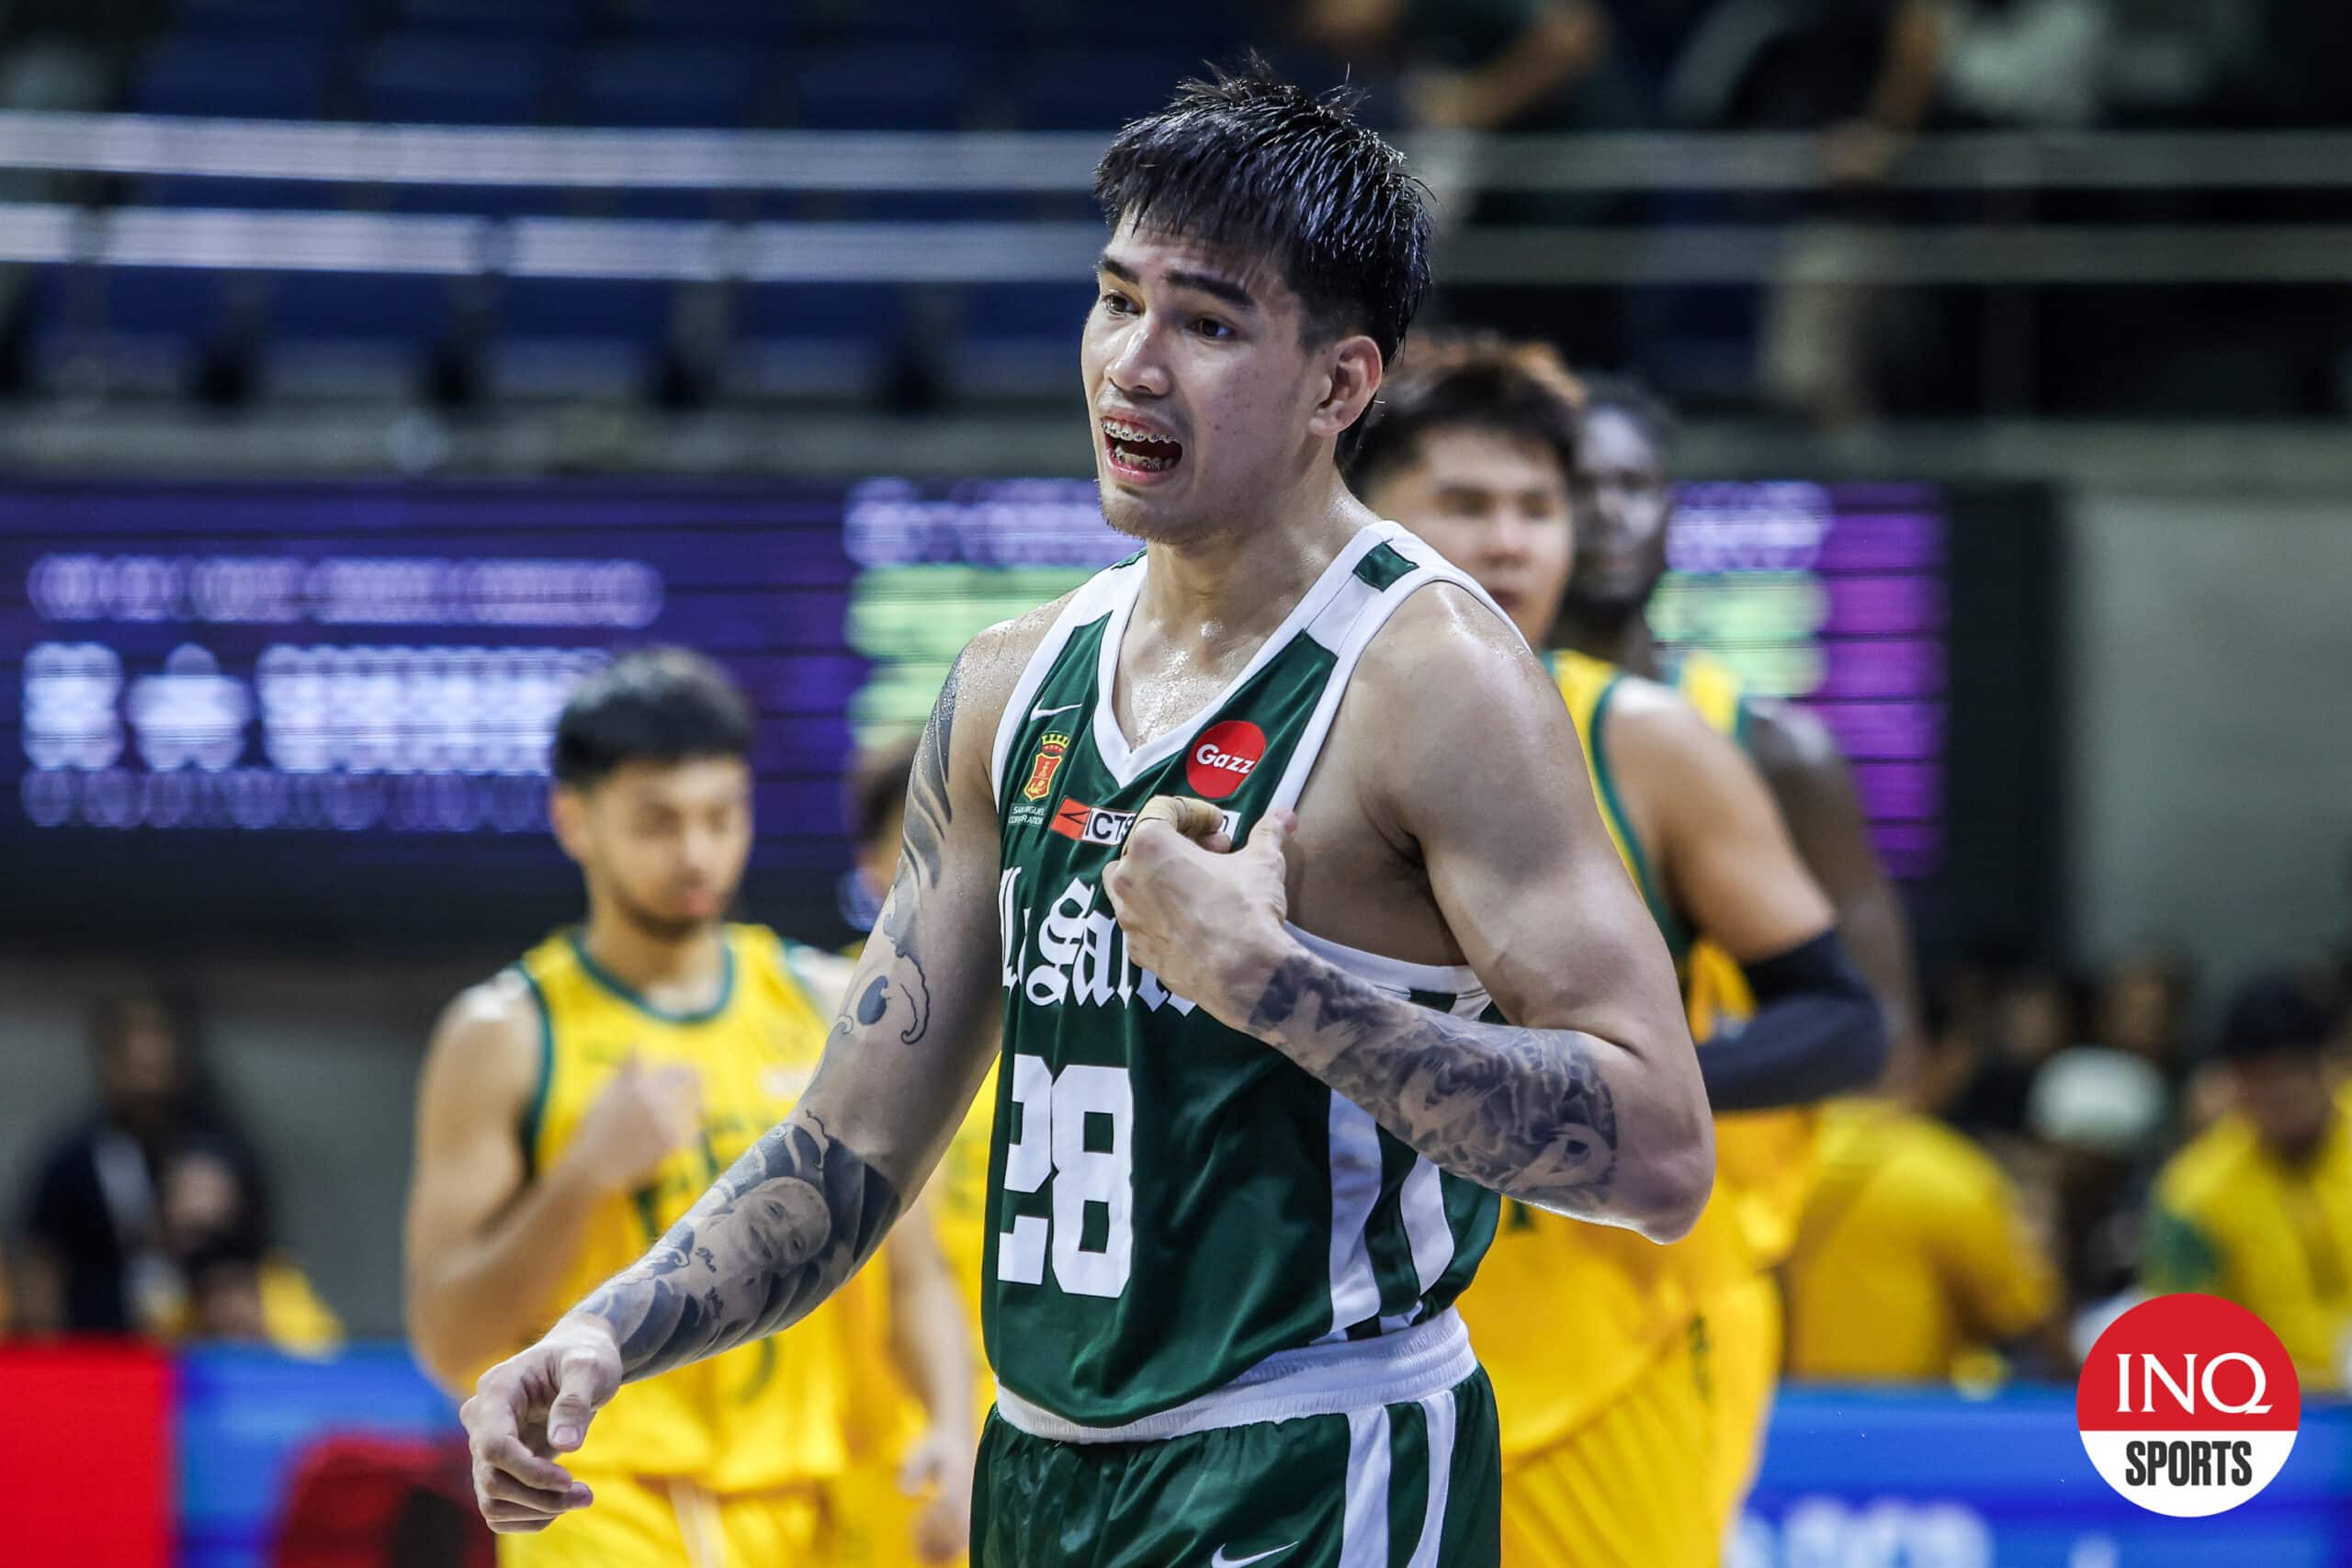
1888 731
1883 606
1900 790
1882 542
1880 667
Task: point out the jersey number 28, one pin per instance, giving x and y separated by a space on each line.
1056 1114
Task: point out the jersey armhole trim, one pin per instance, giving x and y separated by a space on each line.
1677 939
535 1114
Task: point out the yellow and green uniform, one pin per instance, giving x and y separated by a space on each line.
1913 1259
2231 1219
727 1461
1633 1379
959 1191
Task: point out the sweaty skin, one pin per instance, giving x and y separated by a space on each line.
1432 833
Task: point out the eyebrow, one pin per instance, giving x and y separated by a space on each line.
1207 283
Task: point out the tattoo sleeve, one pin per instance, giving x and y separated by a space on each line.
1525 1111
780 1232
801 1210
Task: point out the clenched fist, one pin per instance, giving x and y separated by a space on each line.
530 1408
1205 918
644 1116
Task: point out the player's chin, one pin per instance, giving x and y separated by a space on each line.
1154 517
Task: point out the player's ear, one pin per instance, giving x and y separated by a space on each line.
567 815
1353 367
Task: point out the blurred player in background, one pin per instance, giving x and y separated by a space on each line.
576 1104
915 1485
1631 1380
1250 1122
2258 1208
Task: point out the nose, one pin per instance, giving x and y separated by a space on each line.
1137 366
1507 538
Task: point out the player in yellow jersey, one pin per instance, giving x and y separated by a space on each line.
1608 1363
917 1483
1624 498
576 1104
2258 1208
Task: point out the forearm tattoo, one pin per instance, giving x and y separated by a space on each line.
800 1210
1524 1111
779 1232
891 987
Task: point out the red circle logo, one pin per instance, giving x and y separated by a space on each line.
1224 757
2189 1404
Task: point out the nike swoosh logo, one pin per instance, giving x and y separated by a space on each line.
1048 712
1222 1561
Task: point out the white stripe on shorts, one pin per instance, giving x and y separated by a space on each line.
1363 1528
1438 1412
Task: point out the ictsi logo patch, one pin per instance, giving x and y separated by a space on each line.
1095 825
1224 757
2189 1404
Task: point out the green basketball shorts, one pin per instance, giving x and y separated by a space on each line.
1414 1485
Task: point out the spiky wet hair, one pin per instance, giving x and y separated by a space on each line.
1248 161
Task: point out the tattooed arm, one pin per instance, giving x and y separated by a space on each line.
1589 1103
812 1199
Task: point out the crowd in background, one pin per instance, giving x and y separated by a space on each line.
1865 76
2063 1144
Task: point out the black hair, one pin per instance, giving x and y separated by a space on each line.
1250 162
663 705
1481 382
1649 413
876 788
2275 1015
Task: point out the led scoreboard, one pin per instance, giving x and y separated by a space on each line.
321 713
1832 596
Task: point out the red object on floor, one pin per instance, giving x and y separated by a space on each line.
356 1501
86 1456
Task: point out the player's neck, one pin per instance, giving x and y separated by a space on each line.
1240 584
1624 642
680 975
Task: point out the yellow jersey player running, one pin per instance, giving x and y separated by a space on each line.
576 1104
1610 1361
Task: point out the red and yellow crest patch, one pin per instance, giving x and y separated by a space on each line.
1042 767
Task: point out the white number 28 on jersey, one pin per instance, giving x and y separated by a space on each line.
1052 1148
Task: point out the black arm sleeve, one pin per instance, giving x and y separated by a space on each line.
1818 1031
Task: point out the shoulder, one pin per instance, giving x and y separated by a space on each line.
1654 730
2205 1172
490 1035
1444 633
989 667
824 976
1788 742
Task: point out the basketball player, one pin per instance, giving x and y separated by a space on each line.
884 1485
1476 448
576 1104
1625 486
1250 1122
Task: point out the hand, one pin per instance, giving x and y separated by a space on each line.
644 1116
530 1408
941 1463
1206 921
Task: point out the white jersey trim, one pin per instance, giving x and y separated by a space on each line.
1316 1380
1094 597
1110 746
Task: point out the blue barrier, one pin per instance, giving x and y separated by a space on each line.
1853 1478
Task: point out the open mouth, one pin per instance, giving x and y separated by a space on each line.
1138 452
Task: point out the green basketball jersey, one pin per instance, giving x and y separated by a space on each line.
1171 1201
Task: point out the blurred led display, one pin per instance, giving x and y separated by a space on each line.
1832 596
